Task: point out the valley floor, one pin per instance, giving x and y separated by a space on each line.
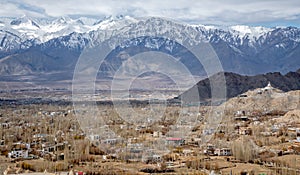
257 132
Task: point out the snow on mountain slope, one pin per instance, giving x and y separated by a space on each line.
47 30
242 49
110 23
44 30
253 32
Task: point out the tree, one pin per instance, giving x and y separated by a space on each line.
244 149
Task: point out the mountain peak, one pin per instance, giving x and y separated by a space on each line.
63 20
252 32
24 22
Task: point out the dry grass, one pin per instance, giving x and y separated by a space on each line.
291 161
250 168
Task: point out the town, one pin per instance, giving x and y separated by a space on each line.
258 133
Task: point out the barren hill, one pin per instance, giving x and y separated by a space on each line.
237 84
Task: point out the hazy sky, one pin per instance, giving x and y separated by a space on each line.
220 12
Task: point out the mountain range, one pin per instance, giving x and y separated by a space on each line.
51 47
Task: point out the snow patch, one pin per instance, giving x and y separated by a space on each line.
253 33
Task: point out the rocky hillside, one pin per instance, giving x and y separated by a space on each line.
238 84
265 100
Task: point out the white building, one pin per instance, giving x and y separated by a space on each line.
18 153
223 152
94 137
109 141
268 87
157 134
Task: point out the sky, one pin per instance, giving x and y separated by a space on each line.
208 12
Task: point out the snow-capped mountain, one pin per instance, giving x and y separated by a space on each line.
54 45
45 30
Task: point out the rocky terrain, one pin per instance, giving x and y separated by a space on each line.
236 84
267 100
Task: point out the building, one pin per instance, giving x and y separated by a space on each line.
5 125
187 152
268 87
209 150
157 134
54 147
20 150
152 158
18 154
209 131
241 118
223 152
245 131
94 137
175 141
109 141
